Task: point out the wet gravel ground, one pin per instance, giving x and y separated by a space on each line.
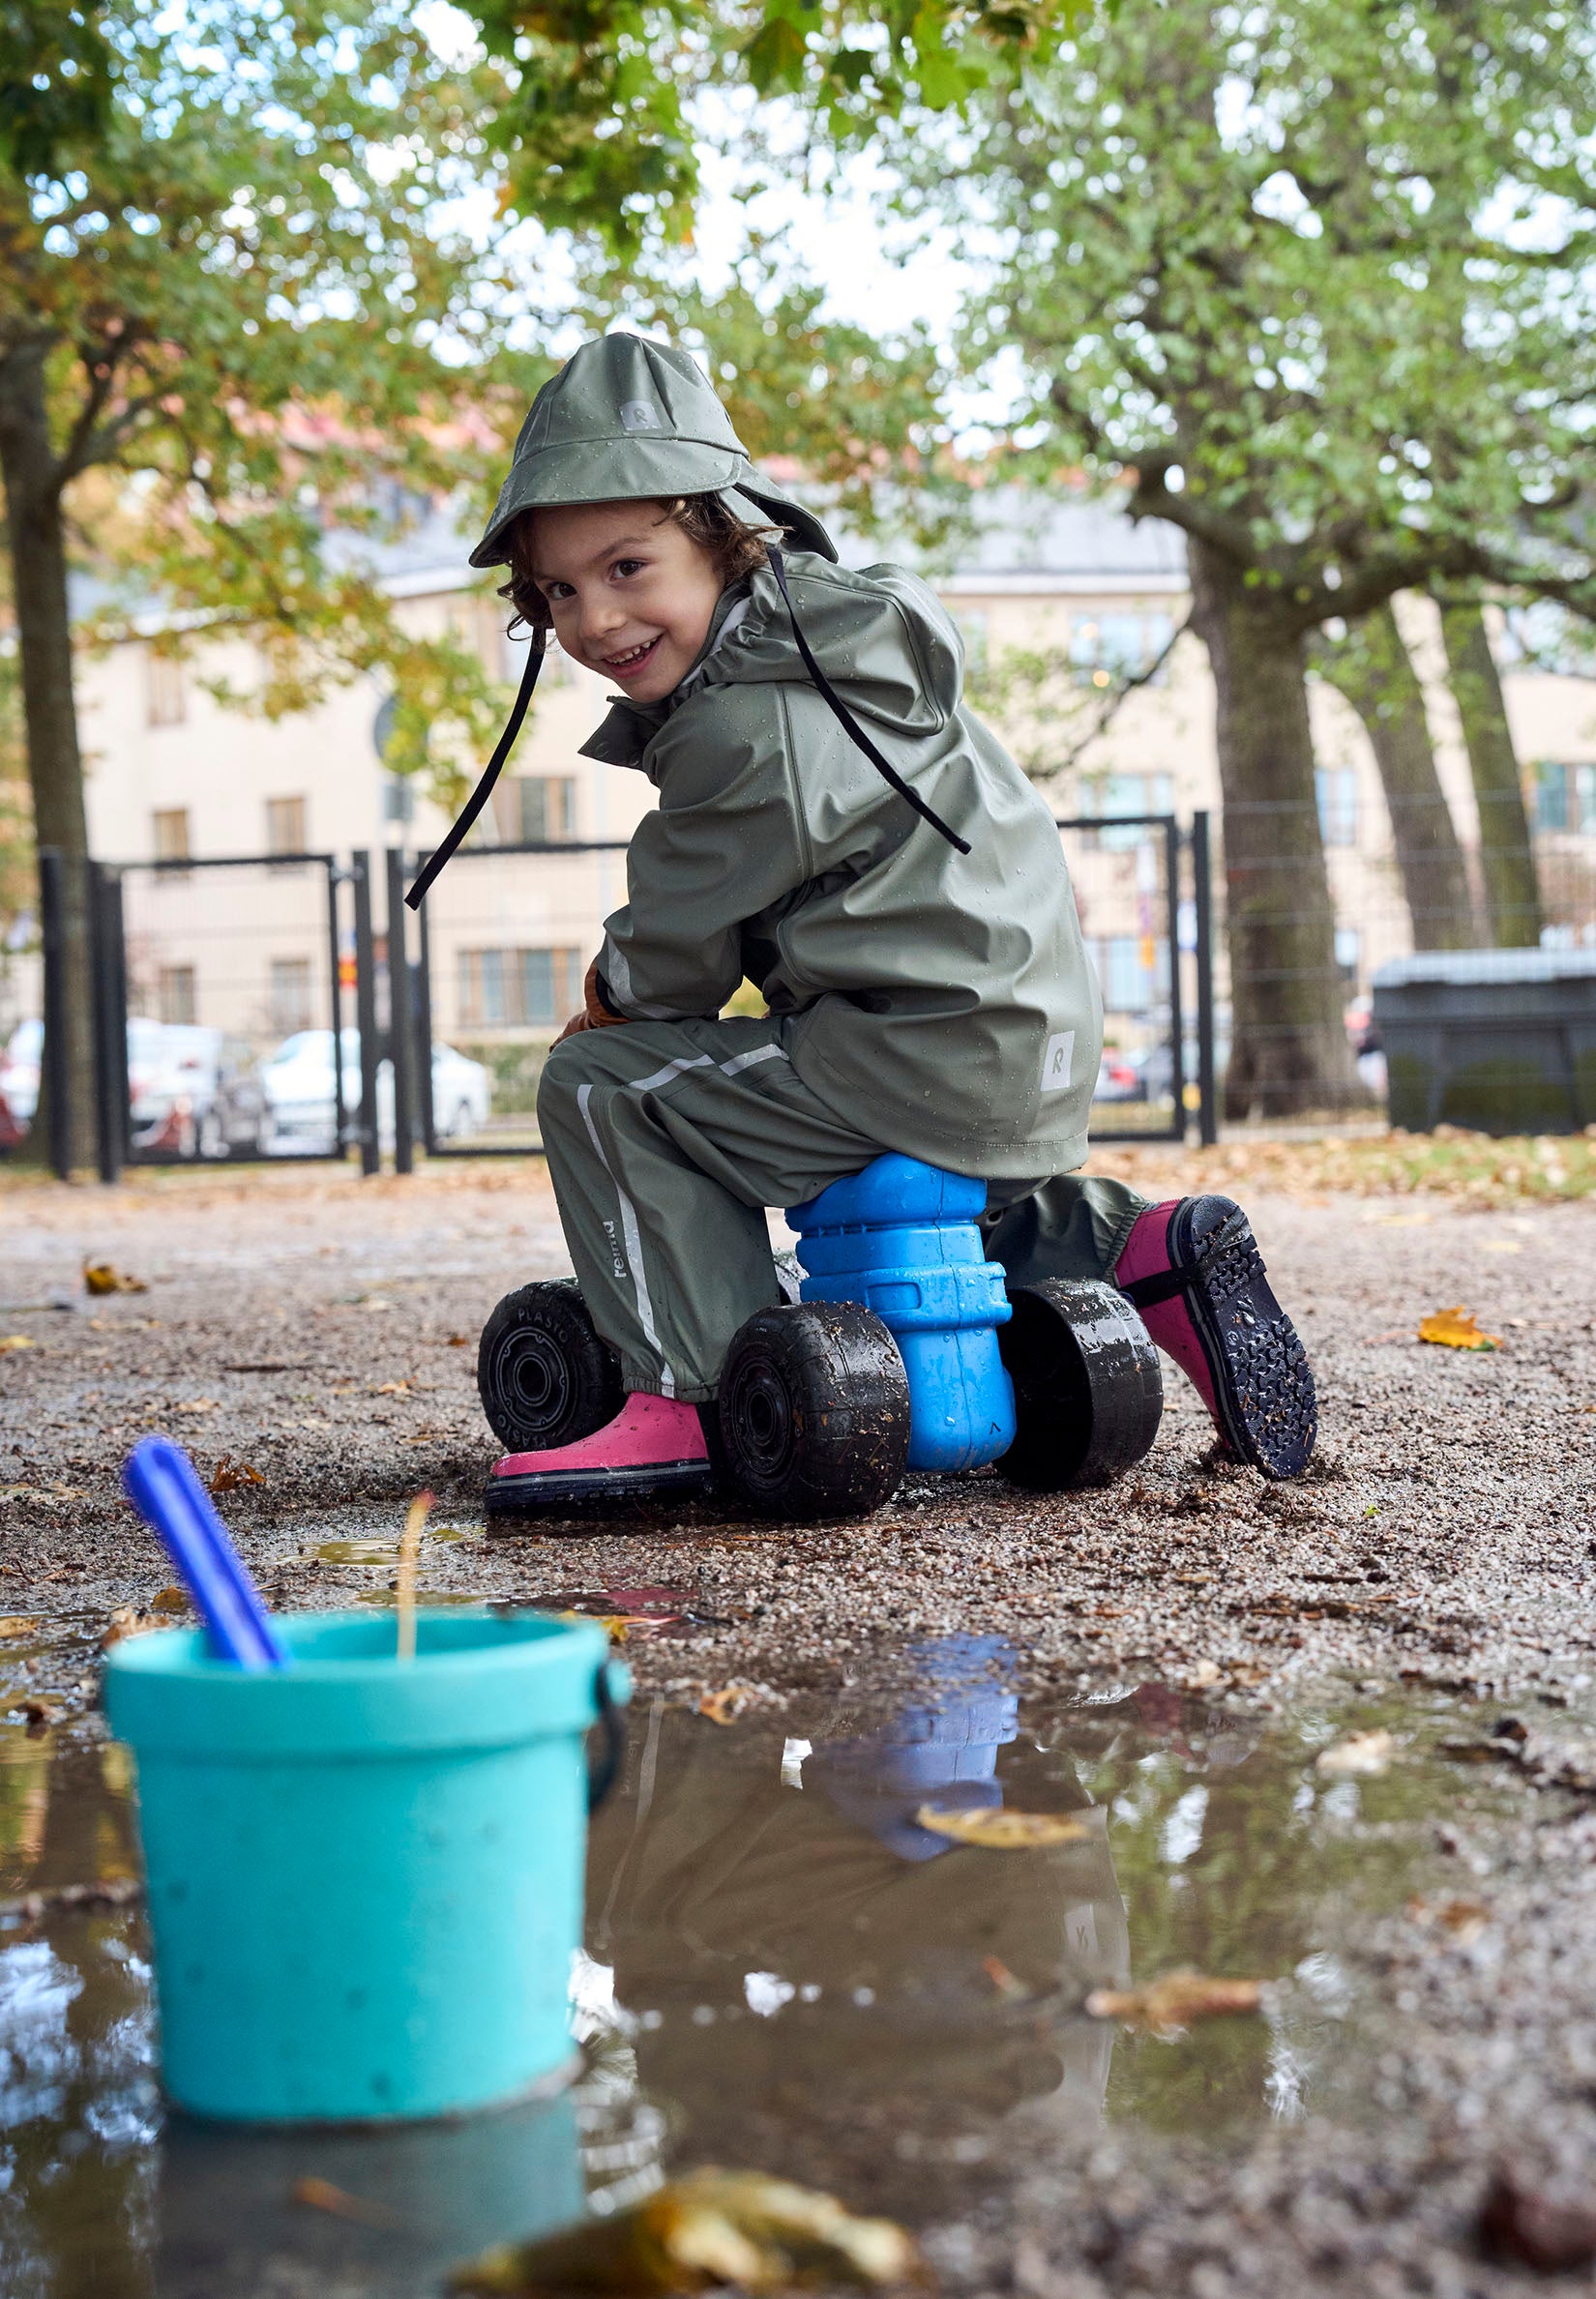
319 1334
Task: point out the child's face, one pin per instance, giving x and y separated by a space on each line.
630 595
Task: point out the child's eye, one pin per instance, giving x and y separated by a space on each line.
627 566
553 591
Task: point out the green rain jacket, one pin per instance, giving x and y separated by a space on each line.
941 1003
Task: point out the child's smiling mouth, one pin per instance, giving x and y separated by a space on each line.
636 659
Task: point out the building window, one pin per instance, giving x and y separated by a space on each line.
175 994
166 690
546 808
289 994
285 832
1121 798
170 826
1564 797
1337 790
1103 648
502 988
1132 970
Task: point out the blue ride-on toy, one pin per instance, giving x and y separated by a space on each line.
899 1348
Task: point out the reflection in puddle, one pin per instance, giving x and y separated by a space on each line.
784 1969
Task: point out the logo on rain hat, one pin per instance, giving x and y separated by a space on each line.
639 415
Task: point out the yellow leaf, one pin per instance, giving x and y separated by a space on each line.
196 1404
128 1621
16 1624
997 1831
170 1600
15 1340
102 1277
1456 1329
707 2229
1166 2006
1360 1756
725 1706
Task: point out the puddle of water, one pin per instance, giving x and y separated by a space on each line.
634 1611
374 1549
783 1969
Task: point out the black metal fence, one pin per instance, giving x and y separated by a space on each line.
259 1007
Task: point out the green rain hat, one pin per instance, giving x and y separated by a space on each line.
626 417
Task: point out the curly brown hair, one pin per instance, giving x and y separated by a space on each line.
735 550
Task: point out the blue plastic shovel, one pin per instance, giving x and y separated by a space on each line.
163 1486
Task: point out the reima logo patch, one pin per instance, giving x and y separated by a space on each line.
1059 1061
639 415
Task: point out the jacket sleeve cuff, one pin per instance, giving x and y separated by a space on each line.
606 999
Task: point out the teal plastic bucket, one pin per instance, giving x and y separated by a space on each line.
365 1875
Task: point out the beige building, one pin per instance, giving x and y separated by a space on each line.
1077 592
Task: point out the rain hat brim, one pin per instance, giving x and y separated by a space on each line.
606 470
630 470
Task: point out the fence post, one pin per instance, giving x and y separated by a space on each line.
1203 904
55 1070
422 1009
340 1115
114 1121
400 1040
365 1012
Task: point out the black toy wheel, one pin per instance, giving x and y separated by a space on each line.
1087 1390
813 1411
545 1376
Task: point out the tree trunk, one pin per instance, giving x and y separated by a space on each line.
31 475
1288 1047
1507 858
1371 669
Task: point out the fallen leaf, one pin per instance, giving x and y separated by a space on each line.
1456 1329
1166 2006
392 1389
15 1340
128 1621
229 1475
16 1624
1521 2226
460 1341
1464 1919
1362 1756
170 1598
195 1405
725 1706
998 1831
38 1712
1204 1674
711 2227
320 2195
101 1276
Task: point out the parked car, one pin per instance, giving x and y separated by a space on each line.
1116 1081
298 1083
193 1092
19 1071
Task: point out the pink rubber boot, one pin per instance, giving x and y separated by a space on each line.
1192 1267
654 1444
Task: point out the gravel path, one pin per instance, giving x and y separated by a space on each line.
319 1334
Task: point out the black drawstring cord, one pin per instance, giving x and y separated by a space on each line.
846 718
839 710
484 791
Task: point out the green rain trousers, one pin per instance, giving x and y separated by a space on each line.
666 1140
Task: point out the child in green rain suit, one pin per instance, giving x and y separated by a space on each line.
835 826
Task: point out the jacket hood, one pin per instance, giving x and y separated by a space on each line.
624 419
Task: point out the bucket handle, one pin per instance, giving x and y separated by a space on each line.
611 1721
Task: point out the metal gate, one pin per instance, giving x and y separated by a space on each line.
505 936
219 1003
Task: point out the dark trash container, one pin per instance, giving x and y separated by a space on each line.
1501 1041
